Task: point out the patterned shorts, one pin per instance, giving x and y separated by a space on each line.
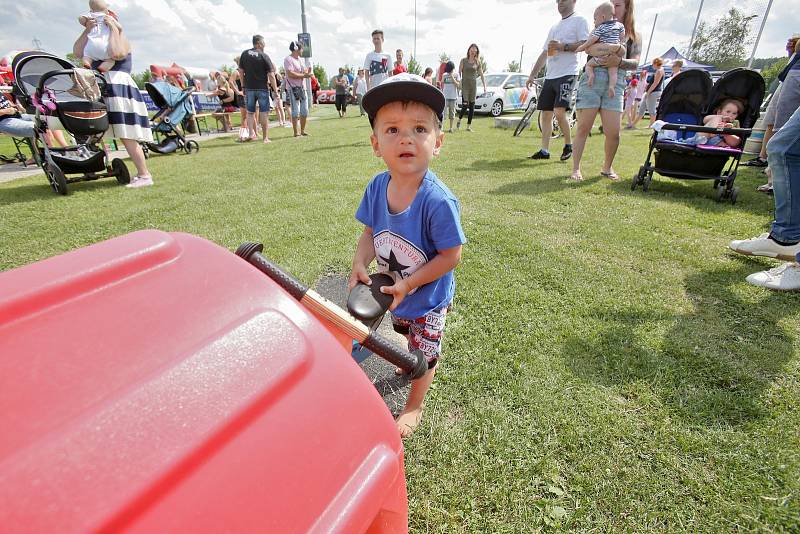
424 333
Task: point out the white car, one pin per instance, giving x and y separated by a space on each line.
505 91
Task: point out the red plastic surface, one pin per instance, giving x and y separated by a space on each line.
156 382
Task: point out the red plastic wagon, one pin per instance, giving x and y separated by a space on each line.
155 382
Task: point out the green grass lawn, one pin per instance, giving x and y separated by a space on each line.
606 366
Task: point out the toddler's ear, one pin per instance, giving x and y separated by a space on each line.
375 148
437 147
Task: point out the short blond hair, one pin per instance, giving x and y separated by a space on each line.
98 5
657 62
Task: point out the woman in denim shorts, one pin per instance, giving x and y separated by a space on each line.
593 99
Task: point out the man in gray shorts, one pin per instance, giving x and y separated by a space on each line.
562 67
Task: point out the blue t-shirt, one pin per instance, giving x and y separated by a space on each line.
406 241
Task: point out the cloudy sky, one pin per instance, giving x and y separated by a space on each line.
208 33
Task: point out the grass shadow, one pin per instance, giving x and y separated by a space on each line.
535 186
713 364
338 147
42 191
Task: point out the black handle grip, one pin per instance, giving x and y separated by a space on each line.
251 252
414 363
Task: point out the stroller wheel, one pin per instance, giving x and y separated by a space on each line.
719 192
634 182
191 146
56 178
734 194
121 171
646 182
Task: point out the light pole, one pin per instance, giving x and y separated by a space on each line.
307 82
651 38
694 30
758 38
415 29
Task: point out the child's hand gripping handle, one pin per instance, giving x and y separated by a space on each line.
413 363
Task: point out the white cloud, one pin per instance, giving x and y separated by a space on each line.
208 33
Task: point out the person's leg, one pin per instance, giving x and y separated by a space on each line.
461 112
783 153
652 105
612 75
563 123
263 104
295 111
470 115
589 75
582 130
610 121
251 114
344 105
768 132
425 336
410 417
143 177
303 115
547 129
58 135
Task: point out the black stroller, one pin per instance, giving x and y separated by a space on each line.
173 108
685 101
48 88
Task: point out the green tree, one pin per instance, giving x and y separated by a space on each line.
227 69
322 76
724 44
484 65
414 67
142 78
770 73
513 66
444 57
75 60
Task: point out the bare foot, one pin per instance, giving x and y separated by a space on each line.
267 141
576 176
407 422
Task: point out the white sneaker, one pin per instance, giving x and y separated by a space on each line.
783 278
137 181
763 246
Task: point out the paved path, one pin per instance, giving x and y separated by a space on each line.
15 171
394 389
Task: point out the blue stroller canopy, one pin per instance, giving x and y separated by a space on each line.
168 97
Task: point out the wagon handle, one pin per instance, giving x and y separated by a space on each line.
413 363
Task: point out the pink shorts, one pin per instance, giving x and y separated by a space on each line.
425 333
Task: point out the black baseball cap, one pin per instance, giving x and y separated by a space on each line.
404 87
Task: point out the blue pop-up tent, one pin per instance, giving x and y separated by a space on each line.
671 55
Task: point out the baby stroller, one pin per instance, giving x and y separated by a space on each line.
48 87
685 101
173 107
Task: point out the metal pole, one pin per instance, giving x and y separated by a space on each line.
646 54
758 38
415 30
694 30
307 82
520 57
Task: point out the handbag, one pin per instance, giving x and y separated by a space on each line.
299 94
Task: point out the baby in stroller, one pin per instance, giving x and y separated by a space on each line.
723 117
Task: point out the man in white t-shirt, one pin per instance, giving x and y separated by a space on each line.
377 64
562 68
